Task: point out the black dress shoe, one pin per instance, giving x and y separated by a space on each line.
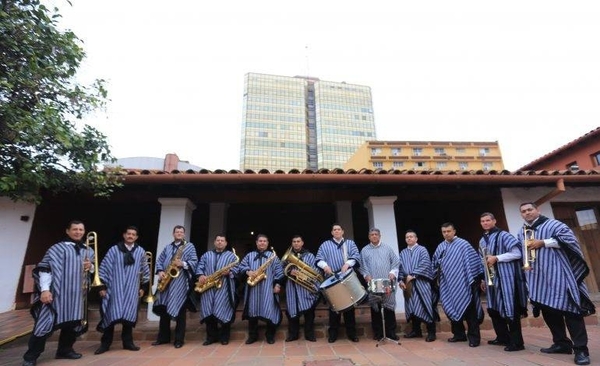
377 337
251 340
225 342
331 339
208 342
72 355
555 348
513 348
582 358
158 343
131 347
310 338
413 335
29 363
353 338
430 337
101 349
457 339
496 342
291 339
178 344
270 340
394 337
473 344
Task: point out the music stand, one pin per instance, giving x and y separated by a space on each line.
385 337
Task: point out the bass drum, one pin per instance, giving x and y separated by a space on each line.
343 291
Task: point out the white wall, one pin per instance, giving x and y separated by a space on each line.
14 235
513 197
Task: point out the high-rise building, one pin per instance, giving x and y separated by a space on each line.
302 122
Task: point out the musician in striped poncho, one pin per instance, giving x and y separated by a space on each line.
507 298
262 300
124 266
460 272
61 288
378 260
172 302
556 283
217 305
339 255
419 304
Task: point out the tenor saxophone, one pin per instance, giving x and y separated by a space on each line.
172 271
261 273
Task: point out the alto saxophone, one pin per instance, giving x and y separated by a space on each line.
215 279
261 273
172 271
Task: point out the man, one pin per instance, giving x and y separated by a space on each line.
261 297
416 276
177 257
217 303
339 255
507 297
300 300
560 262
124 265
62 284
460 271
378 260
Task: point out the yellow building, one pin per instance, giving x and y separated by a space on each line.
427 155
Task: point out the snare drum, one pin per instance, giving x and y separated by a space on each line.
343 291
381 286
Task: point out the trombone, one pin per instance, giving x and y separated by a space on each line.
490 272
90 240
149 298
529 254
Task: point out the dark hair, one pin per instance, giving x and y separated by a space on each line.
221 235
74 222
178 227
298 237
131 227
410 231
261 236
448 224
528 203
336 224
491 215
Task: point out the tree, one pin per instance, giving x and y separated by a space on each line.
41 105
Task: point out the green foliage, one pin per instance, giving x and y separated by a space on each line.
41 148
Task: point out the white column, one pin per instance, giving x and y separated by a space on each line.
174 211
217 222
343 213
382 217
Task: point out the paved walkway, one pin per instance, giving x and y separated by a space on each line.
342 353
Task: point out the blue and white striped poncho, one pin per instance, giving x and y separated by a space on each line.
123 282
219 303
335 256
509 282
299 299
176 294
557 276
460 271
378 262
68 289
259 300
420 304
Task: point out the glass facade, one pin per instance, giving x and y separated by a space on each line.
299 123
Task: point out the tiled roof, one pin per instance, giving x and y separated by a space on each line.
593 133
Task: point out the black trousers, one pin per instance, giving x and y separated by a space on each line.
416 326
36 345
214 332
126 335
470 316
164 326
559 321
309 324
507 331
389 317
253 329
349 322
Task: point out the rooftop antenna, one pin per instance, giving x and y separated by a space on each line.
307 61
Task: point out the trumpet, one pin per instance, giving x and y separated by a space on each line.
90 240
149 298
490 272
305 276
529 254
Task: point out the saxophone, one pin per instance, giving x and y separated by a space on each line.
261 273
172 271
215 279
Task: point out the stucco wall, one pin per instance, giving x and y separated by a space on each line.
14 235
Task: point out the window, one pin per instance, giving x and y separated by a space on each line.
460 150
440 165
573 166
263 134
378 164
463 165
419 165
417 151
396 151
586 219
440 151
596 158
487 166
398 164
484 151
375 151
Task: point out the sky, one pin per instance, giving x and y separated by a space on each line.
523 73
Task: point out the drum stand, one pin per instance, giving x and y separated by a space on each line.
385 337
